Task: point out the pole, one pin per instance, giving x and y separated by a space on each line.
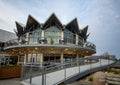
31 75
65 72
100 61
79 65
22 72
43 79
90 64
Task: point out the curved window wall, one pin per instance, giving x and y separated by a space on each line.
33 58
31 37
69 37
53 34
34 36
80 41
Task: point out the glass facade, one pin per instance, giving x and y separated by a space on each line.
34 36
52 57
53 34
33 58
80 41
69 37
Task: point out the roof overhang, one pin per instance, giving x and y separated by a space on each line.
31 22
83 33
52 20
20 29
73 25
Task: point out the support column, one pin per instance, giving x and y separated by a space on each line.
77 58
62 58
62 35
27 37
25 58
76 39
43 33
41 59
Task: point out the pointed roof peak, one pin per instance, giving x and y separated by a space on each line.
86 27
20 28
74 24
30 22
31 17
53 14
73 20
52 18
19 23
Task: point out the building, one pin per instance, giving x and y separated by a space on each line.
4 37
50 41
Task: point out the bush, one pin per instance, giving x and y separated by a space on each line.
90 78
51 41
9 65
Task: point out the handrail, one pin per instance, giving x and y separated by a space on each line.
46 70
25 41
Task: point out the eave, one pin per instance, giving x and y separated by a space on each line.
84 30
52 20
73 25
20 29
83 33
31 23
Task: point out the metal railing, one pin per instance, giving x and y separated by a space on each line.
55 74
26 41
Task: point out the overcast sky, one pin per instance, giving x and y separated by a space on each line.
102 16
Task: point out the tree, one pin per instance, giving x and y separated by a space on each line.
105 55
51 40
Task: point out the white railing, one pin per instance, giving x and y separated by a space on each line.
57 74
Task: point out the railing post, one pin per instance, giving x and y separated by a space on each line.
90 64
100 61
31 75
22 72
108 61
79 66
65 72
43 76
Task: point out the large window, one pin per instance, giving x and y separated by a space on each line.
80 41
69 37
53 33
34 36
33 58
52 57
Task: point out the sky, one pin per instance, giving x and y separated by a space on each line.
102 17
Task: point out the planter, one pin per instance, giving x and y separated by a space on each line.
10 72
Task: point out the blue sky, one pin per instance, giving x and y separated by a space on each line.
102 16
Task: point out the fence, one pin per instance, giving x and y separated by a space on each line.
55 73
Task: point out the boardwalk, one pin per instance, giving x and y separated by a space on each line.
59 76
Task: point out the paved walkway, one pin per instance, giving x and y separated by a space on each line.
55 77
14 81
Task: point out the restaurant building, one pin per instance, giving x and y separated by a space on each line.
38 42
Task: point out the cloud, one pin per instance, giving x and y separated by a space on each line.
9 14
103 17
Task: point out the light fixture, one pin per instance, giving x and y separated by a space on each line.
66 49
36 48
